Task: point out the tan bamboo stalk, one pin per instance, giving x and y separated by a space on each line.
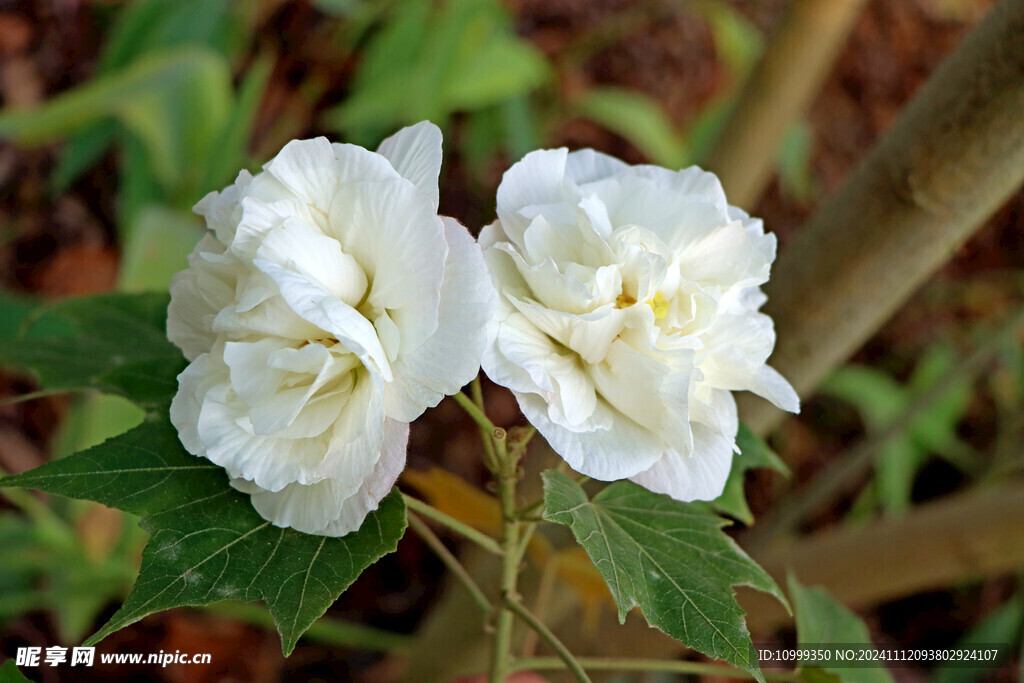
965 537
954 156
778 92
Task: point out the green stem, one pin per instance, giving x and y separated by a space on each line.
550 638
481 539
486 427
631 664
506 480
474 411
451 562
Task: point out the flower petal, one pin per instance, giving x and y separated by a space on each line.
699 475
449 358
327 508
415 152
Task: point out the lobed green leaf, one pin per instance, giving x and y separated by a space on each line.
207 543
671 559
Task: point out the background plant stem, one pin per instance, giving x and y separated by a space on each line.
778 92
450 561
652 665
480 538
846 471
953 157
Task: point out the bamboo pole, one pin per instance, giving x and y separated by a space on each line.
955 155
961 538
778 92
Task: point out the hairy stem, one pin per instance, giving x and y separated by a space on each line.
506 480
481 539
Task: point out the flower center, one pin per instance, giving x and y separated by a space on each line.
659 306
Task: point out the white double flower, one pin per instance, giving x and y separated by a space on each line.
628 313
328 307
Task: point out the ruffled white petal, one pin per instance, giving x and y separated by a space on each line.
415 152
427 373
328 307
326 508
698 475
627 313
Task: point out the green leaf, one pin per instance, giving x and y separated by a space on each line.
794 161
881 400
143 28
821 620
432 59
207 543
1005 624
638 118
754 452
118 346
9 673
669 558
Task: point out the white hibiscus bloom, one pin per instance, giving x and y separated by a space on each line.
328 307
628 313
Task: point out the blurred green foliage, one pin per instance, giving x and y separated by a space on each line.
429 60
881 400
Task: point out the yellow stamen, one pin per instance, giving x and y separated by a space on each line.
659 306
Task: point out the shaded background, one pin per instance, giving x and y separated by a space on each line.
154 103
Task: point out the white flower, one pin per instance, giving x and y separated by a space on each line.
627 315
328 307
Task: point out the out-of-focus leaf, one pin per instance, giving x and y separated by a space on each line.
9 673
738 42
145 27
120 347
431 60
82 151
795 162
671 559
754 452
522 129
821 620
175 103
1003 625
229 155
150 26
499 71
92 419
880 400
156 248
340 8
639 119
705 129
205 536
